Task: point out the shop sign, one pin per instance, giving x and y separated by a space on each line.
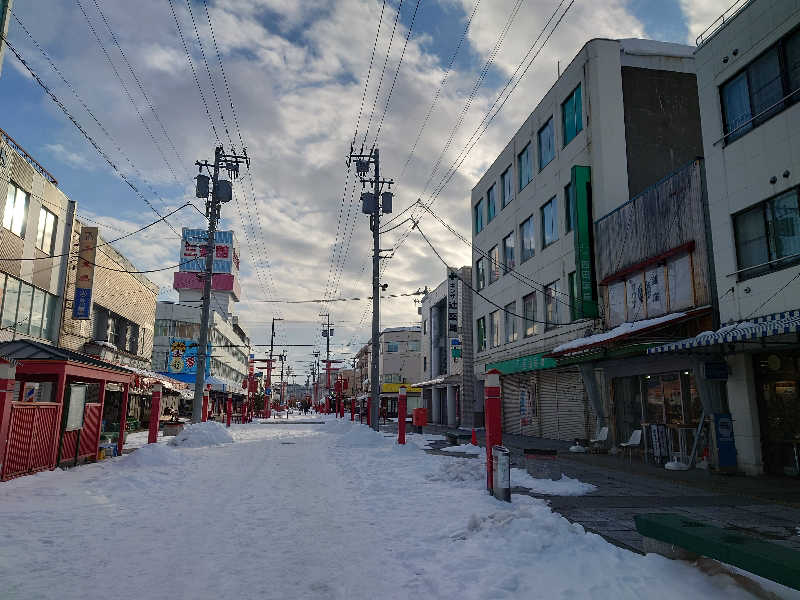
452 302
194 248
580 183
183 356
394 388
84 274
726 447
532 362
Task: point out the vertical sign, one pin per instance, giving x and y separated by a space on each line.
586 299
84 275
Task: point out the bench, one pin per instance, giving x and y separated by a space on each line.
766 559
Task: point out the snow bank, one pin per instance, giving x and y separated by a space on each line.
361 437
464 449
199 435
458 470
152 455
566 486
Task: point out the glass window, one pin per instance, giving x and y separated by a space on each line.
547 150
508 253
574 309
392 347
494 329
48 315
767 233
549 222
37 310
494 265
479 216
524 167
511 322
507 188
569 208
616 303
10 303
480 273
45 234
481 333
551 305
766 85
783 224
413 345
16 210
655 292
491 203
526 238
792 51
572 115
736 106
529 313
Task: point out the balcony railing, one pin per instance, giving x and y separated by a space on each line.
720 21
31 161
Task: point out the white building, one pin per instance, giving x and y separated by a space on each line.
399 364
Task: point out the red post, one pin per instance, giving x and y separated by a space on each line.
155 413
205 406
352 408
494 430
123 418
7 375
401 415
229 409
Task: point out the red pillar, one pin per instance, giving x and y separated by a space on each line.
61 386
494 430
205 406
155 413
229 409
123 418
353 408
102 399
7 375
401 416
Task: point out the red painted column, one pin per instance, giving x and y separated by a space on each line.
401 415
123 418
205 406
494 430
229 409
155 413
7 375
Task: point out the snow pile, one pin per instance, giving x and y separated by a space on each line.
152 455
566 486
464 449
423 441
199 435
361 437
458 470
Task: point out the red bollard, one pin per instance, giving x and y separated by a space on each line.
474 440
155 413
229 409
401 416
369 411
494 430
352 409
205 406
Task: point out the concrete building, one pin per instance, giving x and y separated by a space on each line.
748 82
447 359
621 116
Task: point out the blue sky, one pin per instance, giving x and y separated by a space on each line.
296 74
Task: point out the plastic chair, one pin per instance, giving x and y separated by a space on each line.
634 442
601 438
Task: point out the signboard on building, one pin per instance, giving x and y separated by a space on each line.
183 356
394 388
532 362
452 302
586 296
194 248
84 274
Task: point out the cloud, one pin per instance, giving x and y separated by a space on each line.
76 160
700 14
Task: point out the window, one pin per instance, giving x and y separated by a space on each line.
507 188
569 208
547 149
508 253
551 305
549 222
10 298
37 311
529 313
392 347
491 203
46 233
511 322
768 235
24 308
479 216
425 364
572 115
494 265
494 329
481 333
524 167
413 345
424 326
16 211
574 309
526 239
480 273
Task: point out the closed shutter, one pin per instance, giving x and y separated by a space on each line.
573 405
548 404
510 390
529 382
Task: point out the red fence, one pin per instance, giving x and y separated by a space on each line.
31 438
92 414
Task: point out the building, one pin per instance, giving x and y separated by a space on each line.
747 83
621 116
5 13
447 360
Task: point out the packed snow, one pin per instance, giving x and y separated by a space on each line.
200 435
566 486
624 329
464 449
333 511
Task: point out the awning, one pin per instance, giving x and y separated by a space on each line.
190 379
430 382
770 325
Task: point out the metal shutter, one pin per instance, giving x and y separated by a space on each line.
548 404
573 405
510 390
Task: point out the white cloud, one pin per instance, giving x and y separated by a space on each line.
77 160
700 14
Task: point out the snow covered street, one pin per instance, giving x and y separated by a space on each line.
332 511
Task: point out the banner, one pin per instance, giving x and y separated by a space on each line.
84 274
586 300
183 356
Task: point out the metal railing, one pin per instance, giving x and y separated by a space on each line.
31 161
720 21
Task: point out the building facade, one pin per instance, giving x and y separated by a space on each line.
621 116
447 360
399 363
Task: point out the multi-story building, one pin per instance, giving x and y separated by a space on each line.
621 116
447 361
748 82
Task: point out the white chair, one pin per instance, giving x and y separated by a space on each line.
634 442
601 438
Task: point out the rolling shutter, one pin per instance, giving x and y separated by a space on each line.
510 385
548 404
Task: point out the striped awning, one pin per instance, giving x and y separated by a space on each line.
770 325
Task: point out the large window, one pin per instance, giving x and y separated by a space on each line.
547 150
25 309
480 273
110 327
529 313
508 253
525 167
481 333
494 329
494 265
491 203
572 115
10 298
551 305
527 242
768 235
46 232
506 187
549 222
413 345
392 347
764 88
511 322
16 211
478 216
569 207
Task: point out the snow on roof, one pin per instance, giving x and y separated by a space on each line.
654 48
430 382
620 330
395 329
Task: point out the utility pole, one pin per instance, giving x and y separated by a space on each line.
221 191
373 203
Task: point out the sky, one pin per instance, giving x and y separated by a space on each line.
286 79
